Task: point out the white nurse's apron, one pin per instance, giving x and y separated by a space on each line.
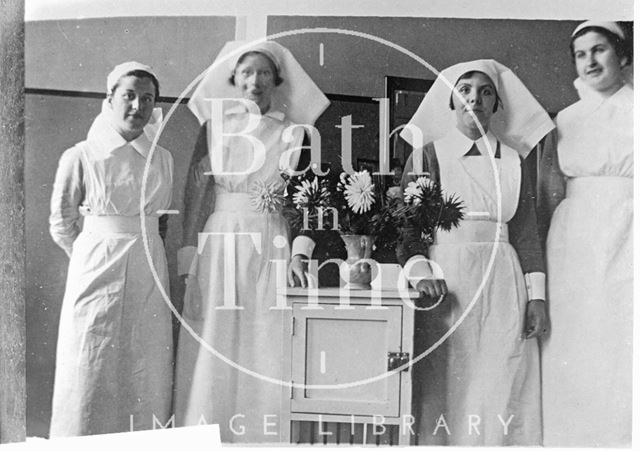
482 385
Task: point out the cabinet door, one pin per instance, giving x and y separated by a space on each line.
345 348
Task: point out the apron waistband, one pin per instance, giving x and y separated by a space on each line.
473 231
233 202
120 224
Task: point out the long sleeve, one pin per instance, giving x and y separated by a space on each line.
304 241
198 194
320 245
552 184
523 228
68 194
411 242
198 203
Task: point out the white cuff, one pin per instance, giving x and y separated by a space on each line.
418 268
302 245
535 282
186 257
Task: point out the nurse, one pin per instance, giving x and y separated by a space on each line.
114 354
480 386
236 240
587 185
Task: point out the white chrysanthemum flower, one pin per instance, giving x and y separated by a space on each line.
359 192
414 191
304 191
311 194
267 197
424 182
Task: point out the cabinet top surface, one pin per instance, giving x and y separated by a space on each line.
333 292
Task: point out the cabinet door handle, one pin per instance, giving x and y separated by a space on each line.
397 359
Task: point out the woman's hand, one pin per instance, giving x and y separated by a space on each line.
536 319
432 288
296 272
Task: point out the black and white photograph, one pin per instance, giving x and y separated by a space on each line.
317 223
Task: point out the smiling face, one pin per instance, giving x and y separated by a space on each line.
597 63
255 77
475 101
132 103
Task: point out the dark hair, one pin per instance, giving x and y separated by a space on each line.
141 74
620 45
278 79
468 75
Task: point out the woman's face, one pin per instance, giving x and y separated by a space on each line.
478 99
255 78
132 103
597 63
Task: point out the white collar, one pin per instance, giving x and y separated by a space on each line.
592 100
458 144
623 98
241 108
103 133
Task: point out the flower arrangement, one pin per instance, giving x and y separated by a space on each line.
364 209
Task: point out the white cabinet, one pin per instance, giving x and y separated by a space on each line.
349 359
